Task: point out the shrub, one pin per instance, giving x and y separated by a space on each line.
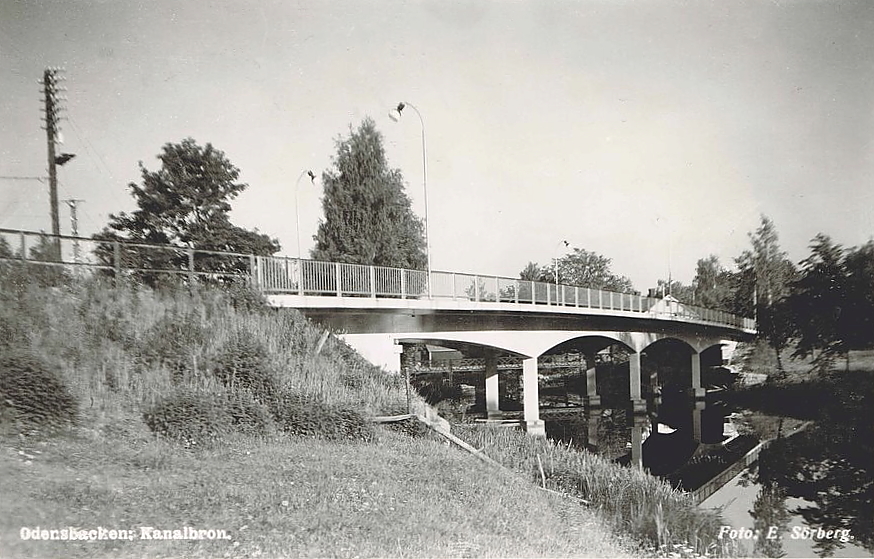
171 341
243 297
304 417
243 364
32 393
190 416
198 417
247 415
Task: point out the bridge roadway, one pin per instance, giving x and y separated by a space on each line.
379 311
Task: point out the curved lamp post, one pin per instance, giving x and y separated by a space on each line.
395 115
556 260
296 209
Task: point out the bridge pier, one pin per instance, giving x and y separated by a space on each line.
638 404
592 439
696 421
493 409
592 399
696 391
531 399
637 441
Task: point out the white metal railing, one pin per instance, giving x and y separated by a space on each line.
283 275
275 275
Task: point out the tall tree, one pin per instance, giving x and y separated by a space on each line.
368 216
819 299
763 280
858 323
186 203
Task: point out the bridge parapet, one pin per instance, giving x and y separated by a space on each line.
308 278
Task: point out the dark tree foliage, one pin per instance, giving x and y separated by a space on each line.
763 280
819 298
368 218
858 313
582 268
185 204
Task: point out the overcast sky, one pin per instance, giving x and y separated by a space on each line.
653 133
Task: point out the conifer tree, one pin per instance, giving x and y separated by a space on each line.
368 218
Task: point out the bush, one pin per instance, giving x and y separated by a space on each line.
31 392
303 417
190 416
247 415
243 364
171 342
198 417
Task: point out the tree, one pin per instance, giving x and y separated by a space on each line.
186 204
531 272
683 293
819 299
712 284
582 268
858 314
763 280
368 216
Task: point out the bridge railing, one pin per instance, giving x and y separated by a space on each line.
51 256
275 275
283 275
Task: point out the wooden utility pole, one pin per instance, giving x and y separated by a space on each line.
50 82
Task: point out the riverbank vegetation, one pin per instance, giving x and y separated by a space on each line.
174 407
630 500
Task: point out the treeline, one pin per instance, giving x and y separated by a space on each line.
823 306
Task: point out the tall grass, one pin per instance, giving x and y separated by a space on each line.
630 500
122 348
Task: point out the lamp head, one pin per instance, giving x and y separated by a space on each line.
311 175
395 114
63 158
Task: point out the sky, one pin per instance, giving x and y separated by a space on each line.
654 133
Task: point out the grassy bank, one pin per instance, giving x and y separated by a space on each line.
629 500
258 427
288 497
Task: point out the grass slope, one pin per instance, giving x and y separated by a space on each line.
122 350
289 497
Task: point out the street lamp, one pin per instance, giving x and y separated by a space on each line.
296 209
395 115
556 260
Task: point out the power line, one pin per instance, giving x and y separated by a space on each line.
16 178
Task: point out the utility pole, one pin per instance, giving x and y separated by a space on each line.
74 227
52 108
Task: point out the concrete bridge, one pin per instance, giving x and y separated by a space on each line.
382 311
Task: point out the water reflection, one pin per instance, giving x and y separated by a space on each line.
829 467
683 440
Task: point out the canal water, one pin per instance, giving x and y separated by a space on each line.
813 491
